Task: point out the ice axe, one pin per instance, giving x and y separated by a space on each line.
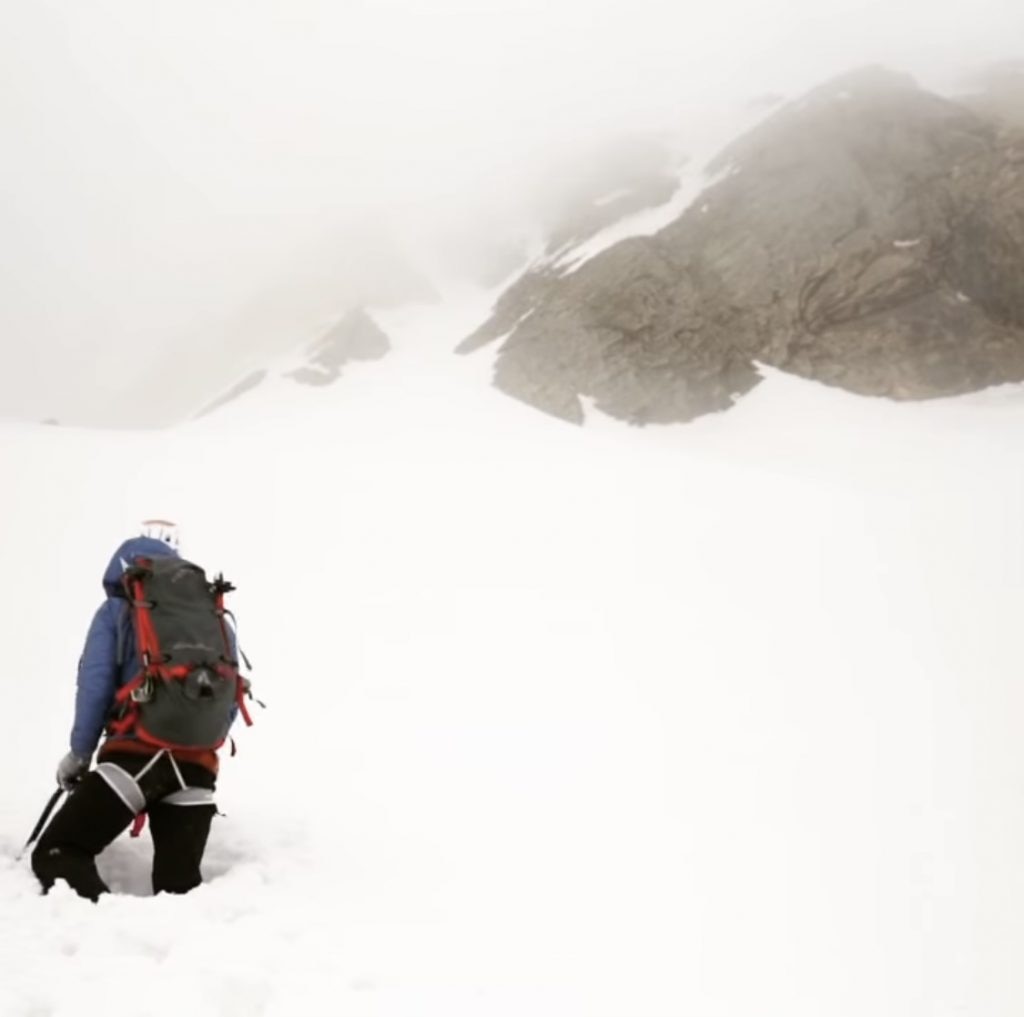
38 828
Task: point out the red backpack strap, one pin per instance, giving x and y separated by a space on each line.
240 699
145 632
147 644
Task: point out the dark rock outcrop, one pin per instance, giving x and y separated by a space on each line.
356 337
870 236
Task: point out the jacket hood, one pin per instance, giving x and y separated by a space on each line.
145 547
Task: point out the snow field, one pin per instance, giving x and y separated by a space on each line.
713 720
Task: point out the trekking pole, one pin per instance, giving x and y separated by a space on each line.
38 828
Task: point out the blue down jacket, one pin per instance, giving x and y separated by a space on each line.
111 640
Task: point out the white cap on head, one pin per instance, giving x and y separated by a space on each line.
161 529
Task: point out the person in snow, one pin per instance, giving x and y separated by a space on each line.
175 788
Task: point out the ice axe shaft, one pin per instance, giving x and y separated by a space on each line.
38 828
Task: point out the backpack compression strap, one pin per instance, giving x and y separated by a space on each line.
148 646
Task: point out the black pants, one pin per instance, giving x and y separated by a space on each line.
94 814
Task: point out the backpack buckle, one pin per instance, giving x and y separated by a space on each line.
144 693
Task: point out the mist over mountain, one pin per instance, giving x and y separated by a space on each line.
868 235
999 93
355 338
188 211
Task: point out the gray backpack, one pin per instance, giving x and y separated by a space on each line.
188 687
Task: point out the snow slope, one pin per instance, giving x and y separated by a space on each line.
716 720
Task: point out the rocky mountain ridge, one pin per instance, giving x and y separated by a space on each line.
870 236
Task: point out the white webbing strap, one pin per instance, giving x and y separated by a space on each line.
177 772
151 763
189 796
122 783
126 787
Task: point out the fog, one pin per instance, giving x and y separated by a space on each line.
190 186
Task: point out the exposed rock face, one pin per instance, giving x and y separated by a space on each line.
870 236
356 337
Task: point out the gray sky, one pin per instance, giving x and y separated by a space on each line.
182 176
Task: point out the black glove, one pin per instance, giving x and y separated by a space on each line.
70 770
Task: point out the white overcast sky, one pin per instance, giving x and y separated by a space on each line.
166 165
